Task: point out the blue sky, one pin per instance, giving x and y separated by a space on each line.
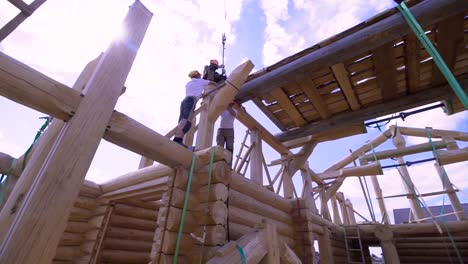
62 36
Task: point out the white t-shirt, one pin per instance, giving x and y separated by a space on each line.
227 119
195 87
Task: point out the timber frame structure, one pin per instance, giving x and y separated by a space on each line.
323 93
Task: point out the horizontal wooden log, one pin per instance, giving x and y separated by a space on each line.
220 173
170 239
215 235
373 168
440 252
203 156
177 199
67 252
124 256
250 188
436 239
168 259
251 219
132 222
453 156
393 153
77 227
86 203
126 244
370 37
217 192
429 259
136 212
250 204
152 205
90 189
412 229
195 253
237 230
71 239
174 217
80 214
430 245
132 135
144 188
129 233
142 175
435 133
214 213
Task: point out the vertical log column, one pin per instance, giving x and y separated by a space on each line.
42 217
447 184
336 214
325 246
256 156
212 213
380 199
385 235
344 210
206 125
416 209
305 230
169 218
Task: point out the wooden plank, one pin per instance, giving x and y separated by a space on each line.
342 77
310 89
42 217
412 48
371 37
17 20
256 157
384 63
290 108
449 35
434 94
269 113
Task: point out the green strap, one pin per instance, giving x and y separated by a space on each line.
241 252
438 60
444 181
207 199
184 210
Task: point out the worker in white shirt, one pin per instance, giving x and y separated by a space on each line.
225 135
193 92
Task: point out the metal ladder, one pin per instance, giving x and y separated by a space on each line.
349 249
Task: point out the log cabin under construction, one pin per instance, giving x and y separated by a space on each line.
192 207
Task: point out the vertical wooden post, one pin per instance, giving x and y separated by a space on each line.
336 214
42 217
448 187
205 126
400 143
256 169
288 186
308 194
344 211
188 139
351 216
272 244
385 235
324 207
325 247
380 199
34 160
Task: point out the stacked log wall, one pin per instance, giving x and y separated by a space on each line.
78 235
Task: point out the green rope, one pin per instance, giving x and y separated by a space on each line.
439 61
184 210
207 199
241 252
444 180
38 134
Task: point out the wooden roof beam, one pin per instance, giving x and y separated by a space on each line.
434 94
427 12
448 36
18 19
342 77
412 59
385 70
288 106
310 90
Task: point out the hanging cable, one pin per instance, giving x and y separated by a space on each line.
223 37
403 115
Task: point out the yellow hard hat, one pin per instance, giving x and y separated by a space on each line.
193 74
